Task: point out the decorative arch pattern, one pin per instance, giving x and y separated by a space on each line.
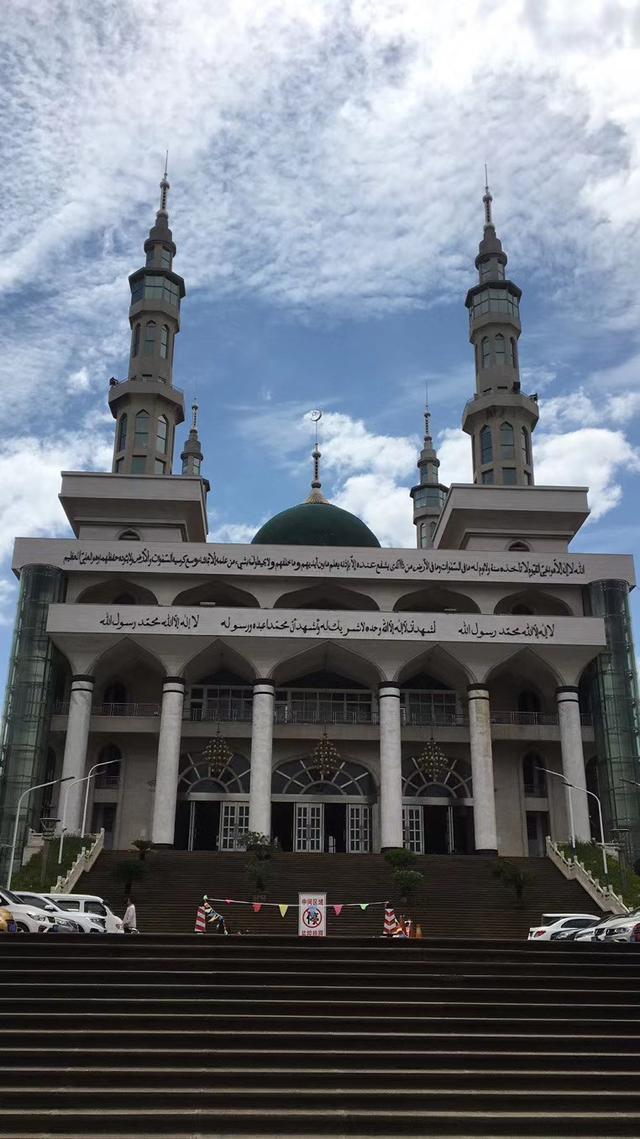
195 777
454 782
300 777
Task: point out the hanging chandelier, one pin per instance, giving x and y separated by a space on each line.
326 758
217 754
432 762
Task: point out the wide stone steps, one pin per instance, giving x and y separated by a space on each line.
192 1038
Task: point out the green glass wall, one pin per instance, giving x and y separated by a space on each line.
613 694
28 702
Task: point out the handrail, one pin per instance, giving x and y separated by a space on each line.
572 868
83 861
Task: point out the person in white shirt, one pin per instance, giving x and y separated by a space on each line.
129 920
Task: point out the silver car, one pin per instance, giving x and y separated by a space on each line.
621 927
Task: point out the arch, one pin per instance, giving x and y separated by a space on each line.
115 693
122 432
109 777
533 778
453 782
500 350
435 599
435 668
485 347
507 441
164 341
148 344
216 660
162 434
195 779
216 593
524 671
486 445
299 776
325 596
327 658
129 536
533 602
124 660
520 546
106 593
141 432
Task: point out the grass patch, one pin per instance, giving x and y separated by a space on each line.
626 885
31 876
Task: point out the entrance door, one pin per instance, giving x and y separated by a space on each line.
412 826
308 828
234 823
205 816
437 826
359 829
335 827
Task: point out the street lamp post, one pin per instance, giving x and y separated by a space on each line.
96 767
558 775
37 787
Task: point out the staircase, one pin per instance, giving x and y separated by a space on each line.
460 897
190 1037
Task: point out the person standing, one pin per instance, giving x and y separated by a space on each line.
129 922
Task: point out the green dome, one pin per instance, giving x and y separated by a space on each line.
315 524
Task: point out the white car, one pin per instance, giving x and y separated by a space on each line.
28 919
621 927
84 923
556 927
90 904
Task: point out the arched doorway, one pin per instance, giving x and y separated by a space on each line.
437 813
212 812
330 815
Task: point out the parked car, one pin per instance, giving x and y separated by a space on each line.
553 925
618 927
80 923
90 904
28 919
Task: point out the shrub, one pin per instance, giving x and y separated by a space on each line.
259 846
514 876
143 846
400 859
408 881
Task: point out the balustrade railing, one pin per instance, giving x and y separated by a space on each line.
225 709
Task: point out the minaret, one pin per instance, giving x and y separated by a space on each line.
499 418
428 497
192 454
146 406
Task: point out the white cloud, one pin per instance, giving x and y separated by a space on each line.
591 456
233 532
382 504
454 452
79 381
579 407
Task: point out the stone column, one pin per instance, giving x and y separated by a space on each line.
166 792
261 753
75 751
573 760
484 803
390 767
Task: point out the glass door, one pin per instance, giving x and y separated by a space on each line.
413 829
308 828
358 829
234 823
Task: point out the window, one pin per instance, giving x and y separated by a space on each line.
499 348
141 437
486 446
514 352
95 908
149 338
138 464
122 432
155 288
165 258
159 467
507 445
524 446
135 347
509 476
196 466
494 300
534 779
161 433
129 536
164 341
486 351
150 256
519 546
487 477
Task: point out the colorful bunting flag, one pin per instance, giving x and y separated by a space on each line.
256 907
283 909
337 910
363 905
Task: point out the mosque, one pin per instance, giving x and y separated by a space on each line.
311 685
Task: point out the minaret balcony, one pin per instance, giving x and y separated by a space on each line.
124 389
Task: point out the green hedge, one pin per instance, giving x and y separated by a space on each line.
29 877
626 885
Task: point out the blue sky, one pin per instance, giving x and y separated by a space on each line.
326 163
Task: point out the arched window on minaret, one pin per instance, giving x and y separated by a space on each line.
486 446
524 443
135 347
141 437
122 432
486 351
162 432
499 349
507 444
164 341
514 351
149 338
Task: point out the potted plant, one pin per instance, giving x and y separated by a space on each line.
513 877
260 848
128 871
407 882
143 846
